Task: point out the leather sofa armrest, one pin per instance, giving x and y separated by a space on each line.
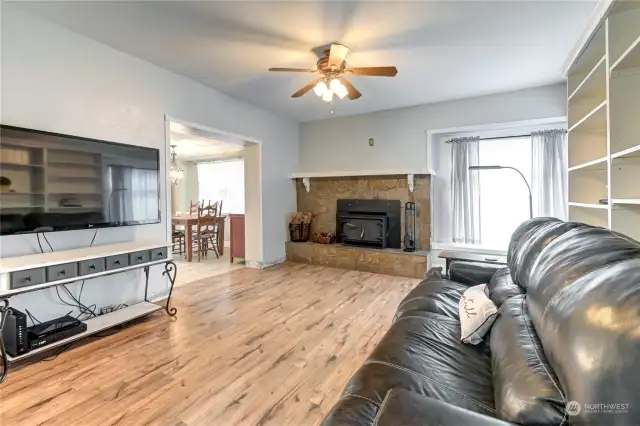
406 408
470 273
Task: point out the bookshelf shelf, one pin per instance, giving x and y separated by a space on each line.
603 100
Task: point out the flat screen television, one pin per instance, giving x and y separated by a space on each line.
54 182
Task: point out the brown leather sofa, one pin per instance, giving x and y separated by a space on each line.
564 350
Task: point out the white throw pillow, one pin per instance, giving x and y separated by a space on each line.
477 314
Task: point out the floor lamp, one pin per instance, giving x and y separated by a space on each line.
519 172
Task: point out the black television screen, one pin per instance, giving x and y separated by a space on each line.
53 182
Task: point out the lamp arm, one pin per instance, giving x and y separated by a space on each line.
528 188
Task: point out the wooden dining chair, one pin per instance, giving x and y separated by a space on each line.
194 207
178 238
207 230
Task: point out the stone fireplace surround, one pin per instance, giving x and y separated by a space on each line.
322 200
324 194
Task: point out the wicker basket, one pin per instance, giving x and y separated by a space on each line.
299 231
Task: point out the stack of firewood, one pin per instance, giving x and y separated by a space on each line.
299 226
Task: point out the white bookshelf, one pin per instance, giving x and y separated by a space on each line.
603 104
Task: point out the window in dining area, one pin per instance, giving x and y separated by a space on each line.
222 181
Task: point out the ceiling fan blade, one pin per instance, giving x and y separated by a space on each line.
336 55
373 71
292 70
352 91
306 88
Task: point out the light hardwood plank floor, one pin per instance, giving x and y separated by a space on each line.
207 267
249 347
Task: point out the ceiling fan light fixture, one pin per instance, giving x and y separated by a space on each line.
327 96
321 88
338 88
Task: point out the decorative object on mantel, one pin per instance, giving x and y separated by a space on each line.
299 226
176 173
410 173
324 238
410 226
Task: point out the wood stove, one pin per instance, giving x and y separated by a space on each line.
370 223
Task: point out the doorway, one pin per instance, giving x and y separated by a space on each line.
207 169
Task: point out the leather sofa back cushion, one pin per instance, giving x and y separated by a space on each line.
520 236
584 300
501 287
525 388
529 247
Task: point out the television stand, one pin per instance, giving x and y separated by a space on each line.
19 275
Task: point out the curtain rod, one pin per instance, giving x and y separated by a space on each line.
514 136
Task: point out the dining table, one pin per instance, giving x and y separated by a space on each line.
189 221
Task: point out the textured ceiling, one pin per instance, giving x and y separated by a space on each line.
443 50
192 144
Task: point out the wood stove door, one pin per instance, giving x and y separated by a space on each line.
364 230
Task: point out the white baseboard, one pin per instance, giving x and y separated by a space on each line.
261 265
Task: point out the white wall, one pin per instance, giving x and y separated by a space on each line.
57 80
400 134
187 188
400 137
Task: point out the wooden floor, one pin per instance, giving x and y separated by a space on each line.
249 347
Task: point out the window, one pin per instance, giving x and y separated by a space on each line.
504 199
223 181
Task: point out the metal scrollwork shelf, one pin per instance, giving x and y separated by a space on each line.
99 323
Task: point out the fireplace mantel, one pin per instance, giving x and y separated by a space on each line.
410 173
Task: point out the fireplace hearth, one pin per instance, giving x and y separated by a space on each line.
369 223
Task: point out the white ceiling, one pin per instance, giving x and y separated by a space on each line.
193 144
443 50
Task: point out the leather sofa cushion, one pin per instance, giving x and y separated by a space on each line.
352 410
530 250
520 237
526 390
532 243
439 296
584 298
402 407
501 287
424 354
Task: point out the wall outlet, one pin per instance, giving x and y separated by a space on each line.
370 141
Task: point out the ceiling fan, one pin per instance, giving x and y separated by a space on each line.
332 69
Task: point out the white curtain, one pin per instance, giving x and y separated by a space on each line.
465 190
549 173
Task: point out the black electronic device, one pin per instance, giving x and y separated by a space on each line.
102 180
14 333
54 330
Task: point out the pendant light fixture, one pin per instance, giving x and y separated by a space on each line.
176 172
